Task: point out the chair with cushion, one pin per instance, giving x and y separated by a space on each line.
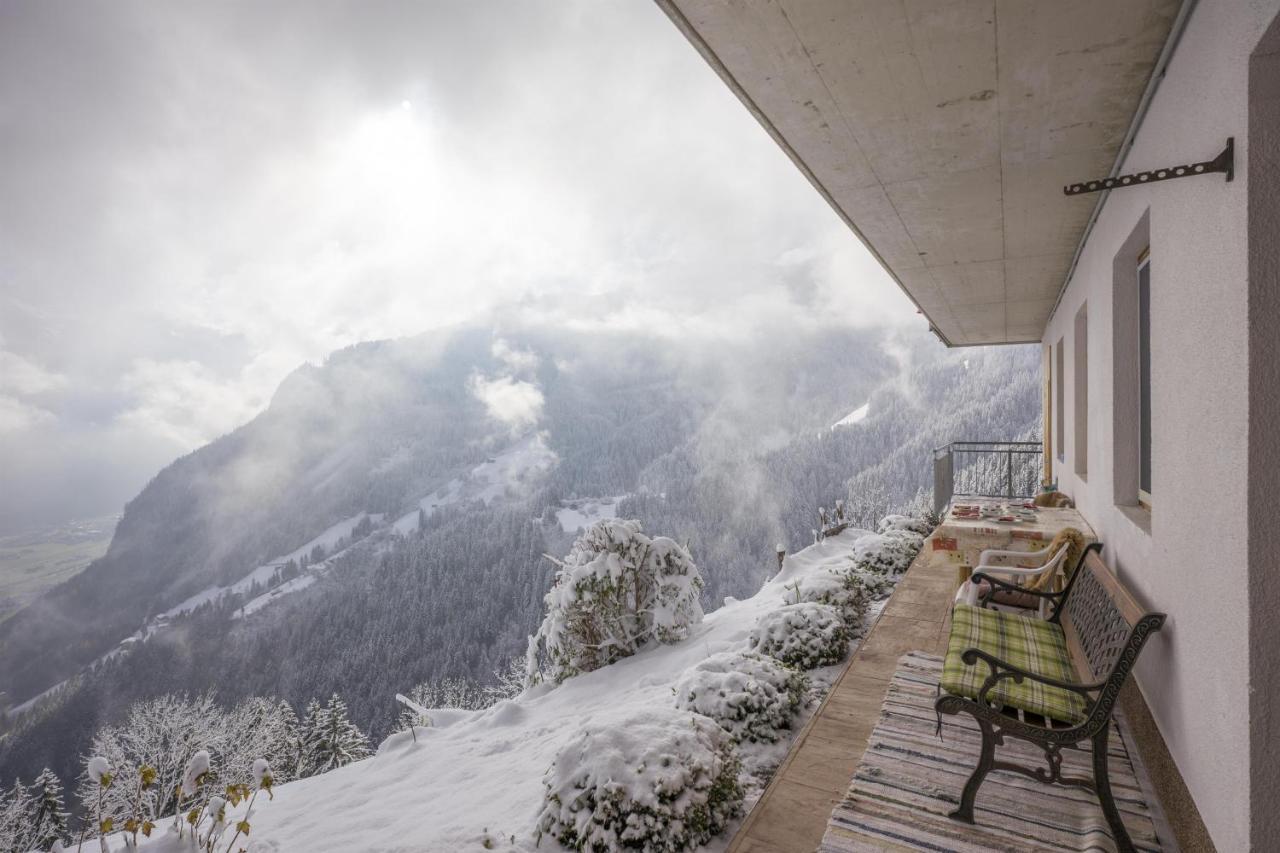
1035 571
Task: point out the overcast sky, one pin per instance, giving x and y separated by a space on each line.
194 200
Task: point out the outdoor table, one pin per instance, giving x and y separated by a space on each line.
958 542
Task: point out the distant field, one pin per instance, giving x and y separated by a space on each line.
33 561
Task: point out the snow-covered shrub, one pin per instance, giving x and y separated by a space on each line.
752 697
888 553
657 781
877 586
617 590
846 591
804 635
162 734
904 522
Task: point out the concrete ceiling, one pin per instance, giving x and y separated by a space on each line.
944 131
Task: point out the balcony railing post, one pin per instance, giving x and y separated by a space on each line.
1009 490
943 478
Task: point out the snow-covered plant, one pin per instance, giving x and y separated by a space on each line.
258 728
216 813
617 590
878 586
752 697
161 733
508 680
261 772
846 591
137 821
804 635
904 522
888 553
194 774
99 771
412 715
439 693
656 781
193 778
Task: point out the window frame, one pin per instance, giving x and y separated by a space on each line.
1145 413
1060 401
1080 396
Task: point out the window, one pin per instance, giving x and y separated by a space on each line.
1144 379
1080 364
1059 396
1130 366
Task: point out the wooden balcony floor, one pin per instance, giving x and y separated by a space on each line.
791 816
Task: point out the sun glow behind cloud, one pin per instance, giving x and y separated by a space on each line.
197 215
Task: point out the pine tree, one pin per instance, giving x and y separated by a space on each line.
49 813
335 740
17 808
289 750
309 739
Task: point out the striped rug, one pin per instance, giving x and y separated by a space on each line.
909 780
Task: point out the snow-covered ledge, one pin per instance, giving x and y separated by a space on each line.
475 779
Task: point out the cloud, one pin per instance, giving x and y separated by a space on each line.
17 416
185 403
514 402
199 198
516 360
19 375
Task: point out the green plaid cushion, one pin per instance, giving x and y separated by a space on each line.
1023 641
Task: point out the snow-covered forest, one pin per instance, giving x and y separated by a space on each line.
382 527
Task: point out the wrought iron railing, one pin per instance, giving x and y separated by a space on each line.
993 469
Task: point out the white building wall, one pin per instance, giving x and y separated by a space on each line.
1188 557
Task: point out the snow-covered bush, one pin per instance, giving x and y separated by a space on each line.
804 635
752 697
878 586
904 522
162 734
888 553
847 591
658 781
617 590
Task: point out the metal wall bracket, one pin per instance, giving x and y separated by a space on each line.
1224 162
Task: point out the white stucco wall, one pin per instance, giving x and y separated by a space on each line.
1192 562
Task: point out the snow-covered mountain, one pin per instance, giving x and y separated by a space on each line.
383 522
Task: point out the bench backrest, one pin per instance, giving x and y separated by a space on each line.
1099 617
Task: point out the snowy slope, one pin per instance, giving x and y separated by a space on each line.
585 512
263 573
487 481
478 774
856 416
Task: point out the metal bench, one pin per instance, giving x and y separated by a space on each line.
1059 682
